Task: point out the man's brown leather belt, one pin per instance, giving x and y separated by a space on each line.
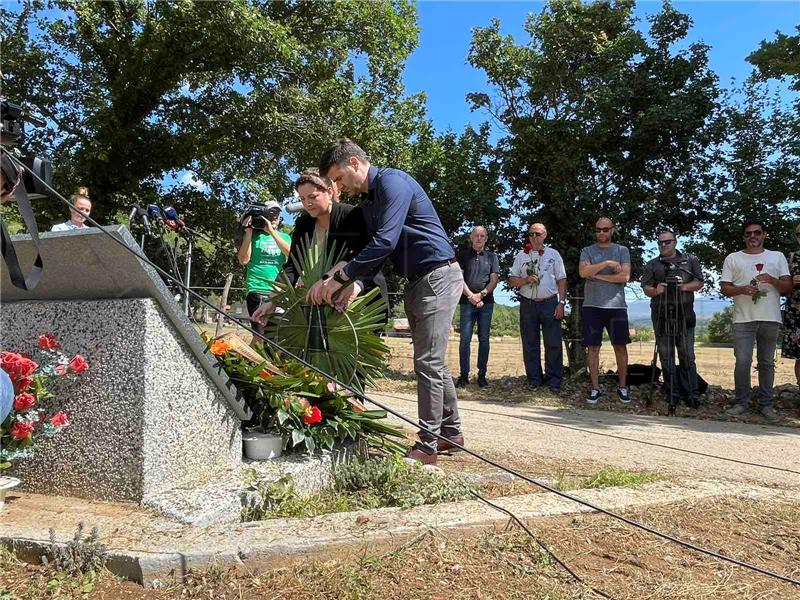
539 299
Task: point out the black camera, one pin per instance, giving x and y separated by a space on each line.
671 271
260 213
13 131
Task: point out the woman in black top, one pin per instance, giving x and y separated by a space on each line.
325 221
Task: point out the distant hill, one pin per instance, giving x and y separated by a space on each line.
704 308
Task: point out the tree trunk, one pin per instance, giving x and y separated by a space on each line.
576 353
223 303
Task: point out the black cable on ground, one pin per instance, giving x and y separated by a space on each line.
438 436
542 545
609 435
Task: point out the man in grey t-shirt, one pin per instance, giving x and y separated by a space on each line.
606 267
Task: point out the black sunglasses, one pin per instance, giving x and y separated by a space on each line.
753 233
665 242
602 229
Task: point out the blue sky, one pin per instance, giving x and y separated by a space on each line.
439 65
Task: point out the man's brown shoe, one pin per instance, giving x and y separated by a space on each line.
447 443
421 457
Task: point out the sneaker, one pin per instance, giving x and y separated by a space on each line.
736 410
462 382
482 381
623 395
593 397
532 386
769 413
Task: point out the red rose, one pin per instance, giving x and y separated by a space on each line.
59 419
78 364
759 266
47 341
24 367
313 415
21 430
8 362
527 248
24 401
541 252
61 369
21 384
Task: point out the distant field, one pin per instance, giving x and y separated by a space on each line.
505 358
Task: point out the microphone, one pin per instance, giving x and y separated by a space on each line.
176 225
171 214
294 207
154 212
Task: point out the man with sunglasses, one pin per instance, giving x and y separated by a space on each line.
685 267
538 272
606 267
755 278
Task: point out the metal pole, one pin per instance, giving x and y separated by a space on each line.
188 275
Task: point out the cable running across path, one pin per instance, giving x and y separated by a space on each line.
608 435
411 422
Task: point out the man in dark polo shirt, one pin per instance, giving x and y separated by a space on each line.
481 274
403 227
671 264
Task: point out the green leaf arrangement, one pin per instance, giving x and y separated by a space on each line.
343 344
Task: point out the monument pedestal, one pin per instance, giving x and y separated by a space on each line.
153 412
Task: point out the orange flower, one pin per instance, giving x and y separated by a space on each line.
219 347
265 374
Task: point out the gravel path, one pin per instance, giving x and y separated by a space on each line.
537 431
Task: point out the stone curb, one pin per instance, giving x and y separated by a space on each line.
279 542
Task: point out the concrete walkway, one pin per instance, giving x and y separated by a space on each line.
499 429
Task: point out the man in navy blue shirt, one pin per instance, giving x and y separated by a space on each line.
404 228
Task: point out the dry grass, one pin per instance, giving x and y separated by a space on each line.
505 359
507 564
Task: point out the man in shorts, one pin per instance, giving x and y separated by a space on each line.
606 267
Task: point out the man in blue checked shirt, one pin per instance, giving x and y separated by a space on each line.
404 228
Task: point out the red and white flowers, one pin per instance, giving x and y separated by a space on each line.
27 420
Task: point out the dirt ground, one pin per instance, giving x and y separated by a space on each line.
505 564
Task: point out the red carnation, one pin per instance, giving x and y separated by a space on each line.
312 415
759 266
78 364
527 247
22 429
47 341
541 252
59 419
24 401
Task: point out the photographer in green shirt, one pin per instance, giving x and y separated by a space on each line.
263 250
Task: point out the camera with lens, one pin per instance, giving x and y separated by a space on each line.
671 272
14 118
260 213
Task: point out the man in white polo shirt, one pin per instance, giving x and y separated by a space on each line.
538 272
755 278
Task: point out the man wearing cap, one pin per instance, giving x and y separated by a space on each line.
264 252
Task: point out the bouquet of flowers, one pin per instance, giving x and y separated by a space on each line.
760 293
28 419
532 266
301 406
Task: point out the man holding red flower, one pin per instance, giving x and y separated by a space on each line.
538 272
755 278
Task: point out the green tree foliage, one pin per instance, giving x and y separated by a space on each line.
600 118
240 93
779 58
720 327
758 175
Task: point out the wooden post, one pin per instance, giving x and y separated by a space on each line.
223 303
